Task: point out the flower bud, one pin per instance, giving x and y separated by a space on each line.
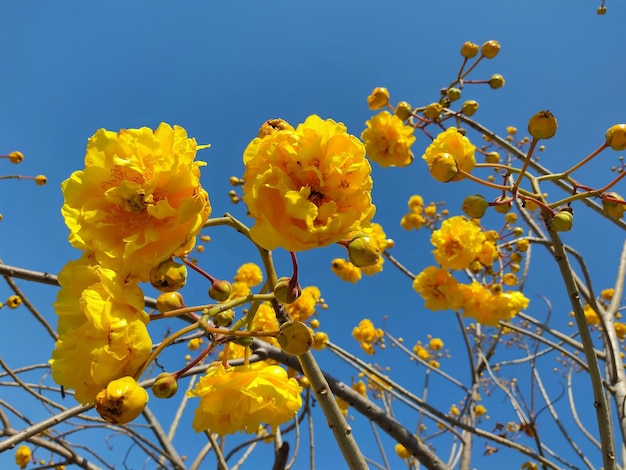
475 206
165 385
601 10
286 291
41 180
469 50
363 251
16 157
319 340
295 338
121 401
433 110
470 107
490 49
403 110
378 99
443 167
496 81
220 290
168 276
274 125
224 319
616 137
169 301
453 94
612 208
502 208
563 221
244 341
492 157
542 125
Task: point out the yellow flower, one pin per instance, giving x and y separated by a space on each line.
23 455
452 143
402 452
438 288
102 329
239 289
14 301
607 294
240 398
620 330
480 410
457 243
365 333
490 308
194 343
436 344
250 274
304 306
121 401
378 99
421 352
590 315
388 140
345 270
138 200
307 188
412 221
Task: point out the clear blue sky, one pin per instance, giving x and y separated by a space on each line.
220 69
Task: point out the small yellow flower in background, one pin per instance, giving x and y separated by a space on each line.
250 274
412 221
23 455
360 388
457 243
620 330
490 308
304 306
436 344
421 352
378 99
402 452
239 289
590 315
388 140
607 294
480 410
438 288
138 200
367 335
194 343
458 147
121 401
307 188
240 398
319 340
345 270
16 157
454 410
529 466
41 180
511 130
14 301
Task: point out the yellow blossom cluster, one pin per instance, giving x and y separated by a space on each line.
420 215
448 154
306 187
23 456
459 242
304 306
388 140
368 336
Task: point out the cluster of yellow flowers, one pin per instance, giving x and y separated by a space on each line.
460 244
449 156
137 202
420 215
593 320
368 336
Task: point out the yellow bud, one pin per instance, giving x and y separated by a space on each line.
220 290
378 99
363 251
612 208
490 49
169 301
616 137
469 50
403 110
14 301
168 276
41 180
542 125
235 181
469 108
121 401
601 10
502 208
165 385
295 338
224 319
16 157
496 81
475 206
315 323
454 93
492 157
563 221
274 125
433 110
319 340
443 167
401 450
287 291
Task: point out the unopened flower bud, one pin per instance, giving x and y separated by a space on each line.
378 99
601 10
168 276
274 125
363 251
121 401
244 341
41 180
490 49
469 50
502 208
563 221
496 81
492 157
224 319
475 206
295 338
433 110
287 291
616 137
612 208
443 167
319 340
220 290
470 107
169 301
235 181
16 157
165 385
542 125
403 110
453 94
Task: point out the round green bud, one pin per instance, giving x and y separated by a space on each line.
224 319
220 290
475 206
492 157
433 110
165 385
443 167
168 301
295 338
542 125
168 276
244 341
363 251
286 291
470 107
496 81
563 221
453 94
403 110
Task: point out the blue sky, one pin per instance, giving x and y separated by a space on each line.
220 69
